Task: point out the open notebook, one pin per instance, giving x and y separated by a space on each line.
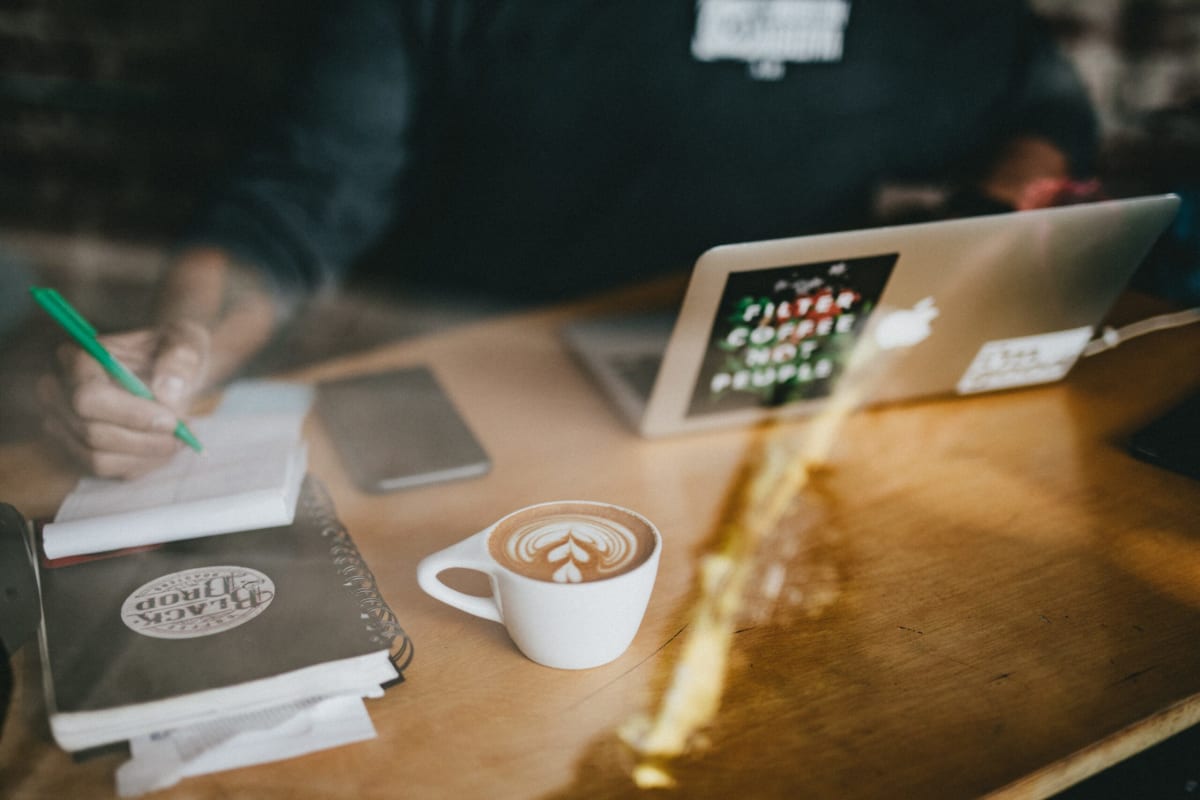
247 477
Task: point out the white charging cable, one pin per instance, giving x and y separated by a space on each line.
1111 337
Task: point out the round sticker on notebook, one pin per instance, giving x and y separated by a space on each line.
197 602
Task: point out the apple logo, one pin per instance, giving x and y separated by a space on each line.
906 327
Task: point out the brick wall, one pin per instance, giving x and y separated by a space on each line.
114 113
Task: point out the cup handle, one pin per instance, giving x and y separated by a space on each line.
470 553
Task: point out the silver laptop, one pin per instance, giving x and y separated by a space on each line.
962 306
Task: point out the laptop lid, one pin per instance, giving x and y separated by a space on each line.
961 306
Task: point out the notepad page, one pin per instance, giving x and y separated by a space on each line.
241 454
247 478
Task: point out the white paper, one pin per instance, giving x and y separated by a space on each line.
80 730
163 759
265 397
248 476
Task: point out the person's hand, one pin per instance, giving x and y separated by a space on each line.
109 431
1030 173
1022 163
1048 192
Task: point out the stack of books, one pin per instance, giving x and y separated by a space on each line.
227 594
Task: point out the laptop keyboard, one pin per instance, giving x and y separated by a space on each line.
637 370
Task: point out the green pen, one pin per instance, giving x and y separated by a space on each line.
85 335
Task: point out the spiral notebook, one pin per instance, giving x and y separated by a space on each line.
196 630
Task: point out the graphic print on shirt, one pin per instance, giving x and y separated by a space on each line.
768 34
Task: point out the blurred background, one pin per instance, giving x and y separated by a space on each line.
116 115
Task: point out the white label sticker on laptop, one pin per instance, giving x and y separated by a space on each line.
1024 361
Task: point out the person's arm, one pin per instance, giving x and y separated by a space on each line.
213 316
311 196
323 182
1047 134
228 301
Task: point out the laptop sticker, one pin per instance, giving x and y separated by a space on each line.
783 335
197 602
906 327
1024 361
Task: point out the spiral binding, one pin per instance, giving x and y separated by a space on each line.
380 622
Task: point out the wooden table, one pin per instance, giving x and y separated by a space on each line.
986 595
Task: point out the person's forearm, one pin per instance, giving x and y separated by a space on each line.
207 287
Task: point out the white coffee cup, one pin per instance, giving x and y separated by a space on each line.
570 579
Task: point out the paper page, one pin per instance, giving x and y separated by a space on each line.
241 454
265 397
162 759
246 477
82 730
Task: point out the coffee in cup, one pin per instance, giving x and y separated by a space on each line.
571 543
570 579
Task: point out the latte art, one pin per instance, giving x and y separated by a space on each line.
570 547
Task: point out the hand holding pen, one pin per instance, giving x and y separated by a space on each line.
100 410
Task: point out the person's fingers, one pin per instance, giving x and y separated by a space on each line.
102 448
180 364
134 349
76 366
110 431
90 394
106 437
105 418
102 401
102 463
1049 192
